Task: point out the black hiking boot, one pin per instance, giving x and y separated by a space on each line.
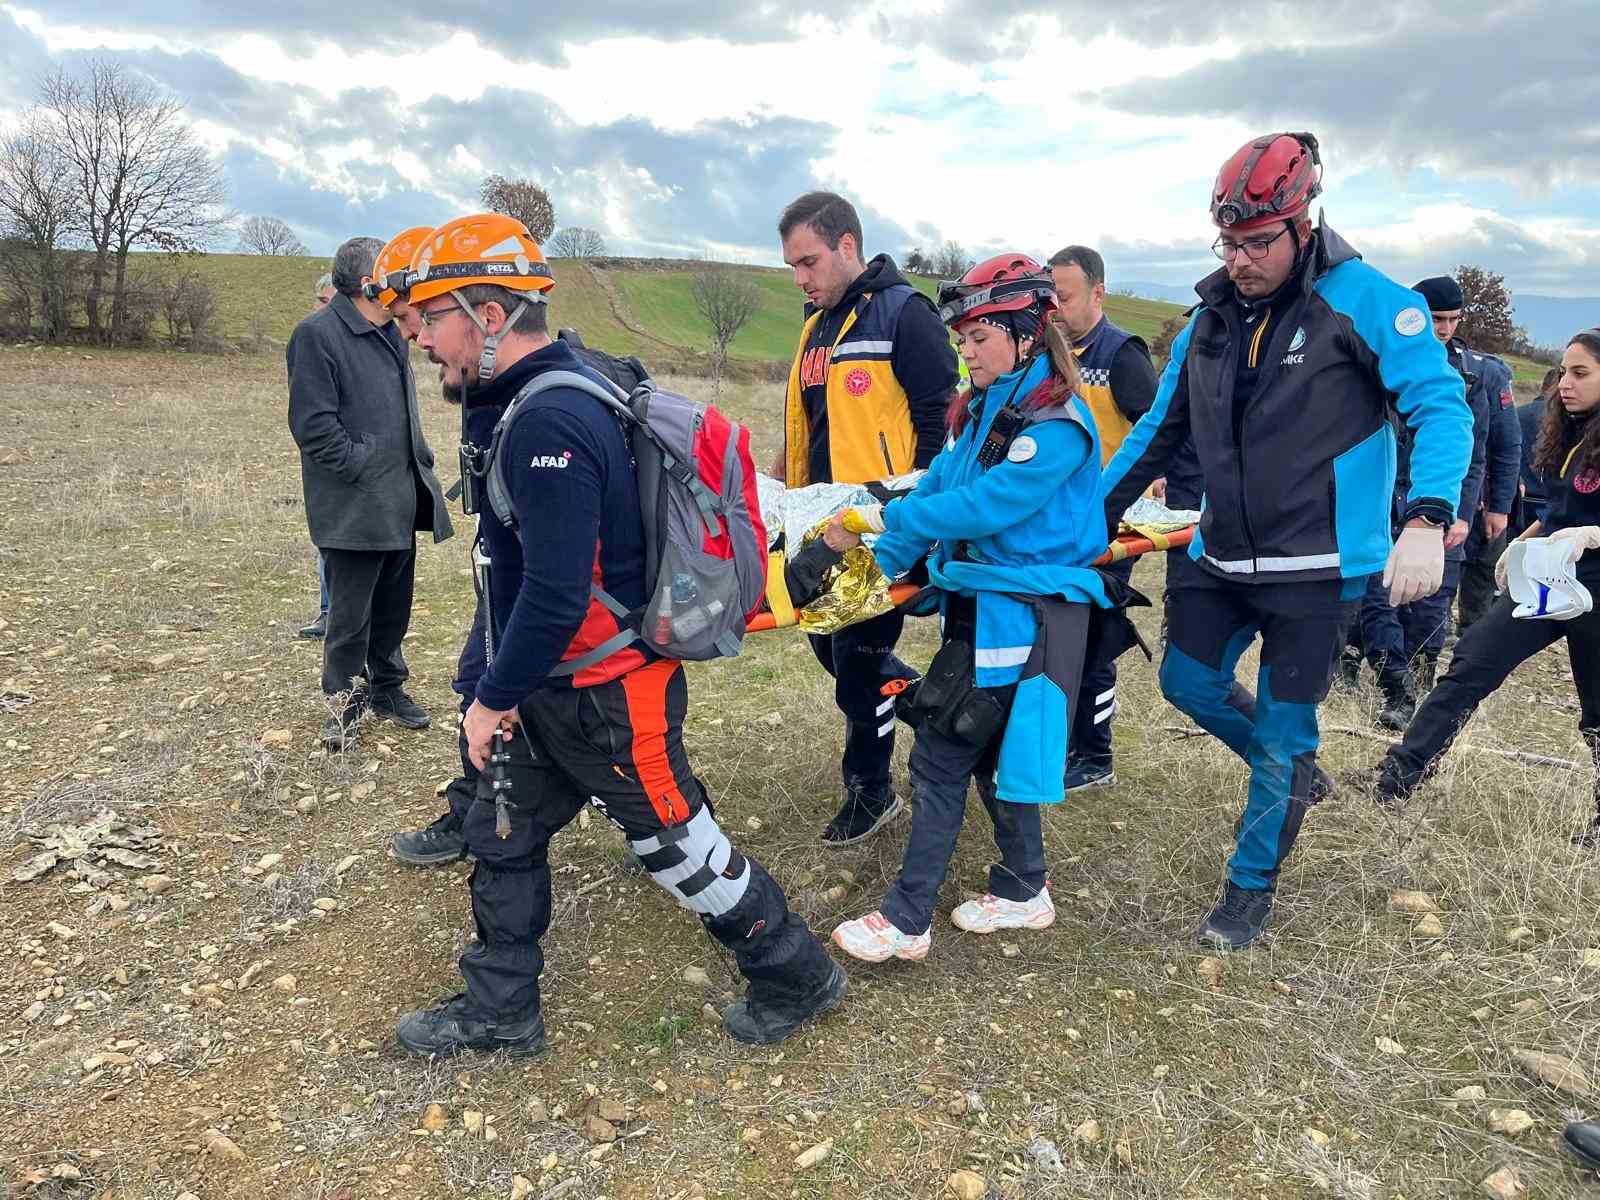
453 1027
1589 839
339 732
394 705
1399 701
441 842
1238 919
316 629
860 817
1084 773
1348 676
1321 786
760 1024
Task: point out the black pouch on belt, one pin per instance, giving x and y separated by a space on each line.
947 696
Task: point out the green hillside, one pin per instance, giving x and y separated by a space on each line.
626 306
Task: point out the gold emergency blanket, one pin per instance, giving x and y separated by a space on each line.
856 590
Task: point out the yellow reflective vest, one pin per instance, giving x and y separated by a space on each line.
870 432
1095 354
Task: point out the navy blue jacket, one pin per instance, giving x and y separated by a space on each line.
571 477
1472 486
1534 490
1301 493
1505 431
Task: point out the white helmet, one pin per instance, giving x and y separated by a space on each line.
1539 574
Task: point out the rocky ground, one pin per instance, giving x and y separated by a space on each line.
204 944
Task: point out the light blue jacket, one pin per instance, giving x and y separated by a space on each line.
1029 526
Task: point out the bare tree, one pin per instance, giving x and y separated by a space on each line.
727 299
36 216
269 235
951 262
141 176
523 199
576 242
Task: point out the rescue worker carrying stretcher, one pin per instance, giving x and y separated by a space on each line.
1286 376
1008 511
570 710
873 374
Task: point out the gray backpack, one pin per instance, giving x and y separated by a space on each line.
705 544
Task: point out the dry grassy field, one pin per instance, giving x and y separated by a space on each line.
200 979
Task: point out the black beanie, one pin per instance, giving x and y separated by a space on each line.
1442 293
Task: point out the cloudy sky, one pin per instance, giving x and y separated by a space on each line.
681 127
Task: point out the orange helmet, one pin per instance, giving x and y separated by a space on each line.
489 248
394 260
482 248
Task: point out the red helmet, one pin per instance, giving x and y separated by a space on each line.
1004 283
1270 179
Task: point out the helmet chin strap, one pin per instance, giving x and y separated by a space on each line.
491 341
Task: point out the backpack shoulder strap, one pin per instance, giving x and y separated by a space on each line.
495 489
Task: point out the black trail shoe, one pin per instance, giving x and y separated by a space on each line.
1238 919
452 1028
441 842
860 817
1322 786
1399 702
1083 773
316 629
1582 1141
339 732
761 1024
1348 677
396 706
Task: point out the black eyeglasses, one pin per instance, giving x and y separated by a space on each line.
1255 249
431 317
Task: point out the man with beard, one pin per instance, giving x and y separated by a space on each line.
573 708
1287 376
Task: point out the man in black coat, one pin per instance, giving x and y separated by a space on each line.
369 487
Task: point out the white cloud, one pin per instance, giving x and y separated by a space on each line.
929 115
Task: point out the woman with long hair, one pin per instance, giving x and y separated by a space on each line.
1009 511
1567 456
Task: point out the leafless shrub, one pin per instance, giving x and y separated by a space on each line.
189 303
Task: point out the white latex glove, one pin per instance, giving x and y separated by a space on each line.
1502 566
1416 564
1583 538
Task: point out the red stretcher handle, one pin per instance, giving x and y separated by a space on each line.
1129 545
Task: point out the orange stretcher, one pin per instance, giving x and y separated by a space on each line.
1128 545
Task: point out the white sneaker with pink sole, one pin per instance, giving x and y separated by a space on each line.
874 938
991 914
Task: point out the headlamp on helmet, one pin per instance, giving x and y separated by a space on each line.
391 272
1005 283
1268 179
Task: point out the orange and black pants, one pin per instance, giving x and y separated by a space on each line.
618 746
